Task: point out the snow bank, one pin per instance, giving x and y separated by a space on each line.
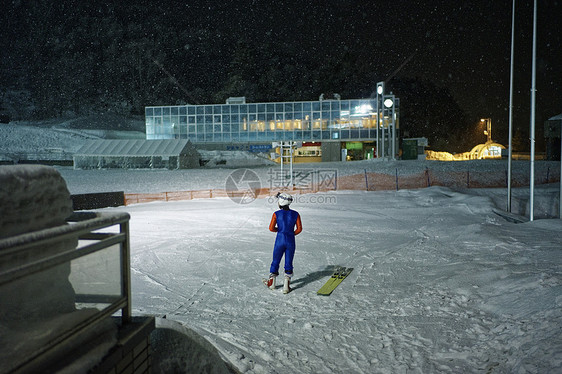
39 307
32 197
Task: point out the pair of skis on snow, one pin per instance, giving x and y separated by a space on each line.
337 277
340 273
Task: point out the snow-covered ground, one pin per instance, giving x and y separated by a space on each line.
440 282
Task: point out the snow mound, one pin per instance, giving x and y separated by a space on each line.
32 197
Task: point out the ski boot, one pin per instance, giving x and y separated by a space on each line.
286 283
271 281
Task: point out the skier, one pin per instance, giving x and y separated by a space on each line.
283 222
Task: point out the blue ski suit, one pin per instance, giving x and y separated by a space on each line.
283 222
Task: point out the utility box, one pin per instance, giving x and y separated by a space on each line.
552 137
331 151
414 148
409 149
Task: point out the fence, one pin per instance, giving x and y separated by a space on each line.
369 181
452 179
135 198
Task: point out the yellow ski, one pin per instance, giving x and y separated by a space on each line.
339 275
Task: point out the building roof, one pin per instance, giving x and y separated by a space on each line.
556 117
136 147
483 150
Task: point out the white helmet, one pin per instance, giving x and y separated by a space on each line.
284 199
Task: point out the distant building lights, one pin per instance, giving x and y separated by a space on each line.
363 109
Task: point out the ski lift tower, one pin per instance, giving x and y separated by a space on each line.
286 152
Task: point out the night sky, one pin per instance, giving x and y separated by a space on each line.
467 49
462 46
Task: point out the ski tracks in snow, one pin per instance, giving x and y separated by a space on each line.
432 290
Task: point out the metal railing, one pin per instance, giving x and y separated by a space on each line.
94 232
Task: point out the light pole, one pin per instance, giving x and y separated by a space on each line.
488 131
380 93
389 105
510 142
533 99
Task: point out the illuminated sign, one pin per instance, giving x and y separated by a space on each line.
363 109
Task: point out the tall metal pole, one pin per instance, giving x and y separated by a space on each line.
380 116
282 154
377 150
393 122
291 160
533 99
510 149
383 134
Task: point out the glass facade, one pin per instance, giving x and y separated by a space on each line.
307 121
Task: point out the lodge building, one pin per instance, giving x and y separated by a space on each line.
324 130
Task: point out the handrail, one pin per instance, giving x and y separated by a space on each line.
61 258
80 226
85 222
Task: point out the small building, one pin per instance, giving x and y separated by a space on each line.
137 154
487 150
414 148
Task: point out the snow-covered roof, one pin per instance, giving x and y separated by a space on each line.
136 147
556 117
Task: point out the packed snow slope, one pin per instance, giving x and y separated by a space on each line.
440 283
65 134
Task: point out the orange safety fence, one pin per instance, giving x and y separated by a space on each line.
136 198
366 182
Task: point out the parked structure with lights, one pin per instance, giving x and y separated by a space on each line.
361 128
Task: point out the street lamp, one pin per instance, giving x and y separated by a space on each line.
380 93
488 130
388 102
